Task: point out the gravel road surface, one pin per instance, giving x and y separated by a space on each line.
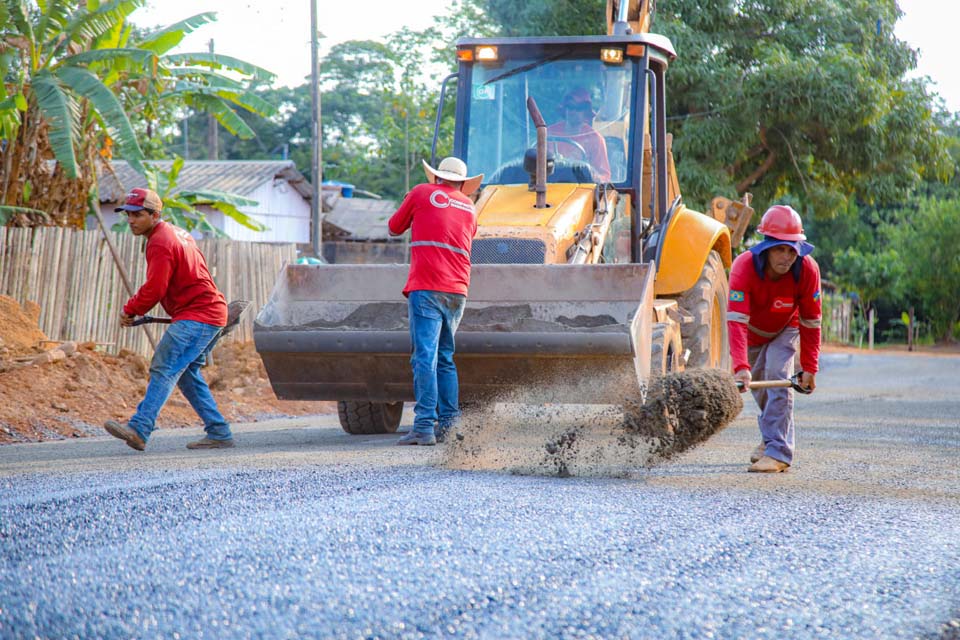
303 531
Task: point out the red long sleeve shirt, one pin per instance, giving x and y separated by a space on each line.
442 223
760 308
591 141
178 278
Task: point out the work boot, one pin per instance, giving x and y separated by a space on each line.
207 443
766 464
423 439
125 433
758 453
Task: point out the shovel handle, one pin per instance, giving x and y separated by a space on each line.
793 383
150 319
234 310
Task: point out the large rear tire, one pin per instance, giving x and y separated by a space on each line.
365 418
706 301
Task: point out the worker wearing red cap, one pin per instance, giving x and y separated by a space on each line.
774 309
178 280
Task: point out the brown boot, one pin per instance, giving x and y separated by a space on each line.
207 443
125 433
758 453
766 464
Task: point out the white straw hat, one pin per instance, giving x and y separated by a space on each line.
454 170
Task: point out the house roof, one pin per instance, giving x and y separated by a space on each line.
233 176
362 218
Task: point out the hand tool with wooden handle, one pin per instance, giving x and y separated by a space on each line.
793 383
234 310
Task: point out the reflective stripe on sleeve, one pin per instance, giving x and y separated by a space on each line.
736 316
440 245
810 324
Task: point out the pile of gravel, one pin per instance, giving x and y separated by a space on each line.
682 410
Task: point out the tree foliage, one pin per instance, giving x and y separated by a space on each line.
73 76
801 98
927 243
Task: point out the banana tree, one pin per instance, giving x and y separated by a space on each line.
72 72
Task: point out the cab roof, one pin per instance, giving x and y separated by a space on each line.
660 44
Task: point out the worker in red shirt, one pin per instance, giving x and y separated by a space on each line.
774 305
178 279
575 136
442 222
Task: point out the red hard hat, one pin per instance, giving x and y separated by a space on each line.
783 223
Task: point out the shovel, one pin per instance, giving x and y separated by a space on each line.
793 383
234 311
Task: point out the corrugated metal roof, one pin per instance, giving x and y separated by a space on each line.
362 218
233 176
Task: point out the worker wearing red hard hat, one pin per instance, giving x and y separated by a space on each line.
774 310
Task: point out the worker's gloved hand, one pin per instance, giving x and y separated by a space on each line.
125 320
808 380
743 376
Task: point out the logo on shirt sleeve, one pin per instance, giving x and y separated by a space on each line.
816 295
736 296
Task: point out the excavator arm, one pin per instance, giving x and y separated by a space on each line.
630 16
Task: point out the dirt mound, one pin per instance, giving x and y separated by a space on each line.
70 395
19 332
682 410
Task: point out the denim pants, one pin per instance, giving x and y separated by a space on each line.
774 361
434 318
177 361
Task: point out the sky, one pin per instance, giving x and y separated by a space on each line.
275 34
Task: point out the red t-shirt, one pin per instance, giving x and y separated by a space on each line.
591 141
442 223
177 278
760 308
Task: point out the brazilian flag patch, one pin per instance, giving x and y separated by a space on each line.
736 296
816 296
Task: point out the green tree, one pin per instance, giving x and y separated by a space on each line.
872 275
72 74
808 98
548 17
801 99
926 242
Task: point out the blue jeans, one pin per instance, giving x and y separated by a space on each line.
434 318
774 361
177 361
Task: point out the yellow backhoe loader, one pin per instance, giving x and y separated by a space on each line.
590 274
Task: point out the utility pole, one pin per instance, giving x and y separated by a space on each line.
213 145
316 204
406 150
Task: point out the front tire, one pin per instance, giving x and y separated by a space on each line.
359 417
706 301
664 354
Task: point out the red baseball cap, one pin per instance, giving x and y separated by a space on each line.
139 199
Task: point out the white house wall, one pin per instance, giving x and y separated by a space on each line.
281 208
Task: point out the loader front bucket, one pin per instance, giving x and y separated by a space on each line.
530 333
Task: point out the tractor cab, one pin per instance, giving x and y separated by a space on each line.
592 92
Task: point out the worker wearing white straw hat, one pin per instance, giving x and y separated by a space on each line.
442 222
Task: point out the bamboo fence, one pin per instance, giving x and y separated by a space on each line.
73 278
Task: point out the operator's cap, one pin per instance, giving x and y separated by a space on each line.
139 199
578 99
802 247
